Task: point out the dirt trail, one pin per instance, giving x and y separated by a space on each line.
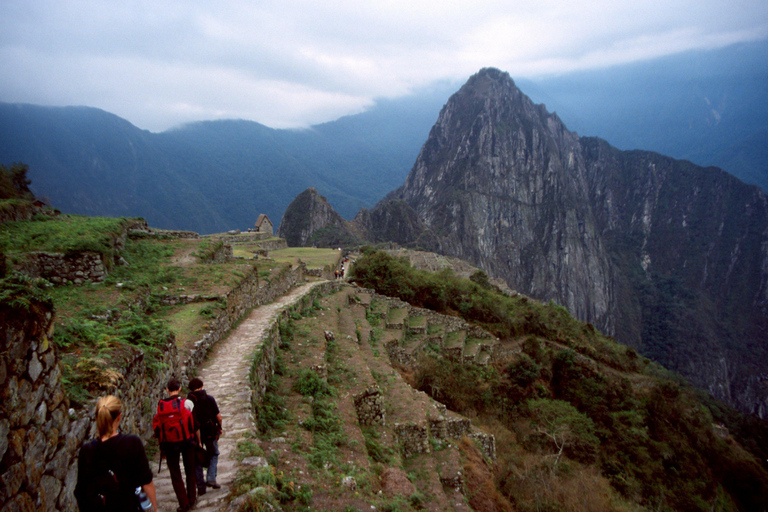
225 374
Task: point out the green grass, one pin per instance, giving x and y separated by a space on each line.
314 258
64 234
396 315
100 327
190 321
417 321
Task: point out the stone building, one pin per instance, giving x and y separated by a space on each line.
263 224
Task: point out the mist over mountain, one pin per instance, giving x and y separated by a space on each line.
708 107
216 175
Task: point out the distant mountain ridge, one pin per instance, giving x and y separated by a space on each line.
664 255
211 176
709 107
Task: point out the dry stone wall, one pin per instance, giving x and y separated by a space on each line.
264 361
74 268
65 268
40 436
245 296
369 406
414 438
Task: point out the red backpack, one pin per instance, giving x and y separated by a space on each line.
173 422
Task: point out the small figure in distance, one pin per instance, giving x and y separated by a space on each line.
208 423
174 427
113 469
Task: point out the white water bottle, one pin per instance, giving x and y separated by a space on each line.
143 499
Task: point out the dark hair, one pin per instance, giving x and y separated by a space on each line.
195 384
173 385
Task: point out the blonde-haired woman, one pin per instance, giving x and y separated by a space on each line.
112 466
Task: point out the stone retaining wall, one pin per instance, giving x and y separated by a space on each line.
140 229
274 245
244 297
65 268
76 267
242 237
369 406
413 439
264 361
40 437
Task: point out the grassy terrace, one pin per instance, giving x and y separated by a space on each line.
99 326
314 258
65 233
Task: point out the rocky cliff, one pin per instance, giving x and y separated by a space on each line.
310 220
664 255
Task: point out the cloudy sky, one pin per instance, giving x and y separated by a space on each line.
159 63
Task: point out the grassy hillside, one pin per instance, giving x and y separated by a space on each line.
574 410
101 326
580 422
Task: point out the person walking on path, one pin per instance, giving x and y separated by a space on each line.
112 466
208 423
175 429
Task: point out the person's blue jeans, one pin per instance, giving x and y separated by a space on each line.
212 448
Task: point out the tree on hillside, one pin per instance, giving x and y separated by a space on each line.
564 425
14 183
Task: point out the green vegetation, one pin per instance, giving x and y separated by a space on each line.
314 258
64 234
575 410
100 327
14 183
500 314
208 250
273 489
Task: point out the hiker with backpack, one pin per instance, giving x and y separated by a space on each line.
208 421
174 428
112 470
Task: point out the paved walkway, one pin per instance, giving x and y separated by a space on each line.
225 374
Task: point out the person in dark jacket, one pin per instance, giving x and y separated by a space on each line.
121 454
208 422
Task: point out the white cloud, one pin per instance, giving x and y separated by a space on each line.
294 63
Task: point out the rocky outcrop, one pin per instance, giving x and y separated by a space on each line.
310 220
665 256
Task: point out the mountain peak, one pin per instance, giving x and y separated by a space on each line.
489 82
305 216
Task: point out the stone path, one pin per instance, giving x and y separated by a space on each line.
225 374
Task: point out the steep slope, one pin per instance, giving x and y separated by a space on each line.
665 255
310 220
704 106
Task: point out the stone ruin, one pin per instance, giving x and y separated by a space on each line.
370 407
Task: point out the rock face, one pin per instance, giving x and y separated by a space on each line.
666 256
310 220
